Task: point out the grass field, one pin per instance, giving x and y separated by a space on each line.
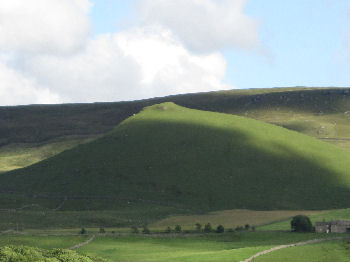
212 247
335 251
230 218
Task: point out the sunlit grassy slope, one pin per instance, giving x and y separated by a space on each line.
21 155
172 155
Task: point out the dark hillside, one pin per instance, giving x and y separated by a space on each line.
283 106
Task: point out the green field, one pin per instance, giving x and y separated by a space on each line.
212 247
335 251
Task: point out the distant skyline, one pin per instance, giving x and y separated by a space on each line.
63 51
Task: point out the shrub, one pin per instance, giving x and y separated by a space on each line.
208 228
178 229
83 231
102 230
247 227
301 223
239 228
168 230
146 230
220 229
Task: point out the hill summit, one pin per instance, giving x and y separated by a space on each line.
172 155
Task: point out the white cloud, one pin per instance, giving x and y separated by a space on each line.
204 25
56 26
16 89
47 56
134 64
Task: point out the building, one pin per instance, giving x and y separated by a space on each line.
337 226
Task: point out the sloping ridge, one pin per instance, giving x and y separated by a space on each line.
200 159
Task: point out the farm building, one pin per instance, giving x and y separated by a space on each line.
338 226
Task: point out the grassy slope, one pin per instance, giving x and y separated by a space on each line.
196 159
322 113
204 248
16 156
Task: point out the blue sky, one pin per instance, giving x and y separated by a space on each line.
304 41
67 51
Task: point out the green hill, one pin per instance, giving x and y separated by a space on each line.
45 130
201 160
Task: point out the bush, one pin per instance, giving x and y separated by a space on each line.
146 230
220 229
178 229
198 227
208 228
168 230
102 230
301 223
239 228
247 227
83 231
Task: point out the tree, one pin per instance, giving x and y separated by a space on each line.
83 231
178 229
301 223
102 230
198 227
220 229
208 228
247 227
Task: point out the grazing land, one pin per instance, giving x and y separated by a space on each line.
209 247
337 251
232 158
195 160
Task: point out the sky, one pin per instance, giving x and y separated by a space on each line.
68 51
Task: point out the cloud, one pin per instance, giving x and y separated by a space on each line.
204 25
16 89
56 26
48 56
134 64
